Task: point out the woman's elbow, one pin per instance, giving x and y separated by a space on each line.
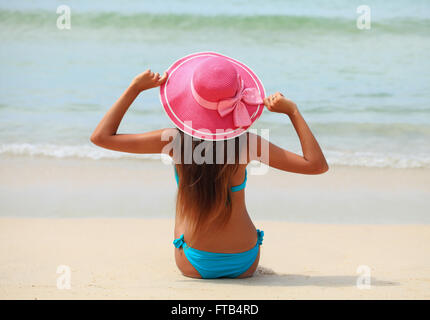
319 168
96 139
324 168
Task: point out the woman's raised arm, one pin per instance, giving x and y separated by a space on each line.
312 161
105 135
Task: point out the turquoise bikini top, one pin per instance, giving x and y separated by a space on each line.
233 189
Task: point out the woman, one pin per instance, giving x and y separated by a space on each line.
213 99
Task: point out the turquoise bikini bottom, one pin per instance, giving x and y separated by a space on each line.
220 265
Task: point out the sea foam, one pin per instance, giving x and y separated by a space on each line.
354 159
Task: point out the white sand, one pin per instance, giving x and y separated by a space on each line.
133 259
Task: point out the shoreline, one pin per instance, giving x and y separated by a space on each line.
155 158
65 188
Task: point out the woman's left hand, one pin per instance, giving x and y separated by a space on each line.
148 80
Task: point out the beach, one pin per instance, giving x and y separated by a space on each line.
104 219
119 246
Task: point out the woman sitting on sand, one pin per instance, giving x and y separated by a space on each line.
213 100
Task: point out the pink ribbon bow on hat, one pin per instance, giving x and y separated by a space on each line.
236 104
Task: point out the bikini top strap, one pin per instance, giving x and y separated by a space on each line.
176 174
233 189
242 185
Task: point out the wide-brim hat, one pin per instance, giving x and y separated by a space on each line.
211 96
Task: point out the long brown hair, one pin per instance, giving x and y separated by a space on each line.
204 196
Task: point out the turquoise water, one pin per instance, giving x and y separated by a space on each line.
364 93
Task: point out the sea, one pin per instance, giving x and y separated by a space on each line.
360 77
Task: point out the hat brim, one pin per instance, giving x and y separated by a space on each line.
193 119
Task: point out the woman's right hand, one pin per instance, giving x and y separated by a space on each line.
278 103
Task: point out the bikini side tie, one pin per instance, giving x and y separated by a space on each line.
179 242
260 236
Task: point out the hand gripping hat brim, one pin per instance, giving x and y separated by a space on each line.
188 115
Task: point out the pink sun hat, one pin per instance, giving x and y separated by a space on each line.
211 96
